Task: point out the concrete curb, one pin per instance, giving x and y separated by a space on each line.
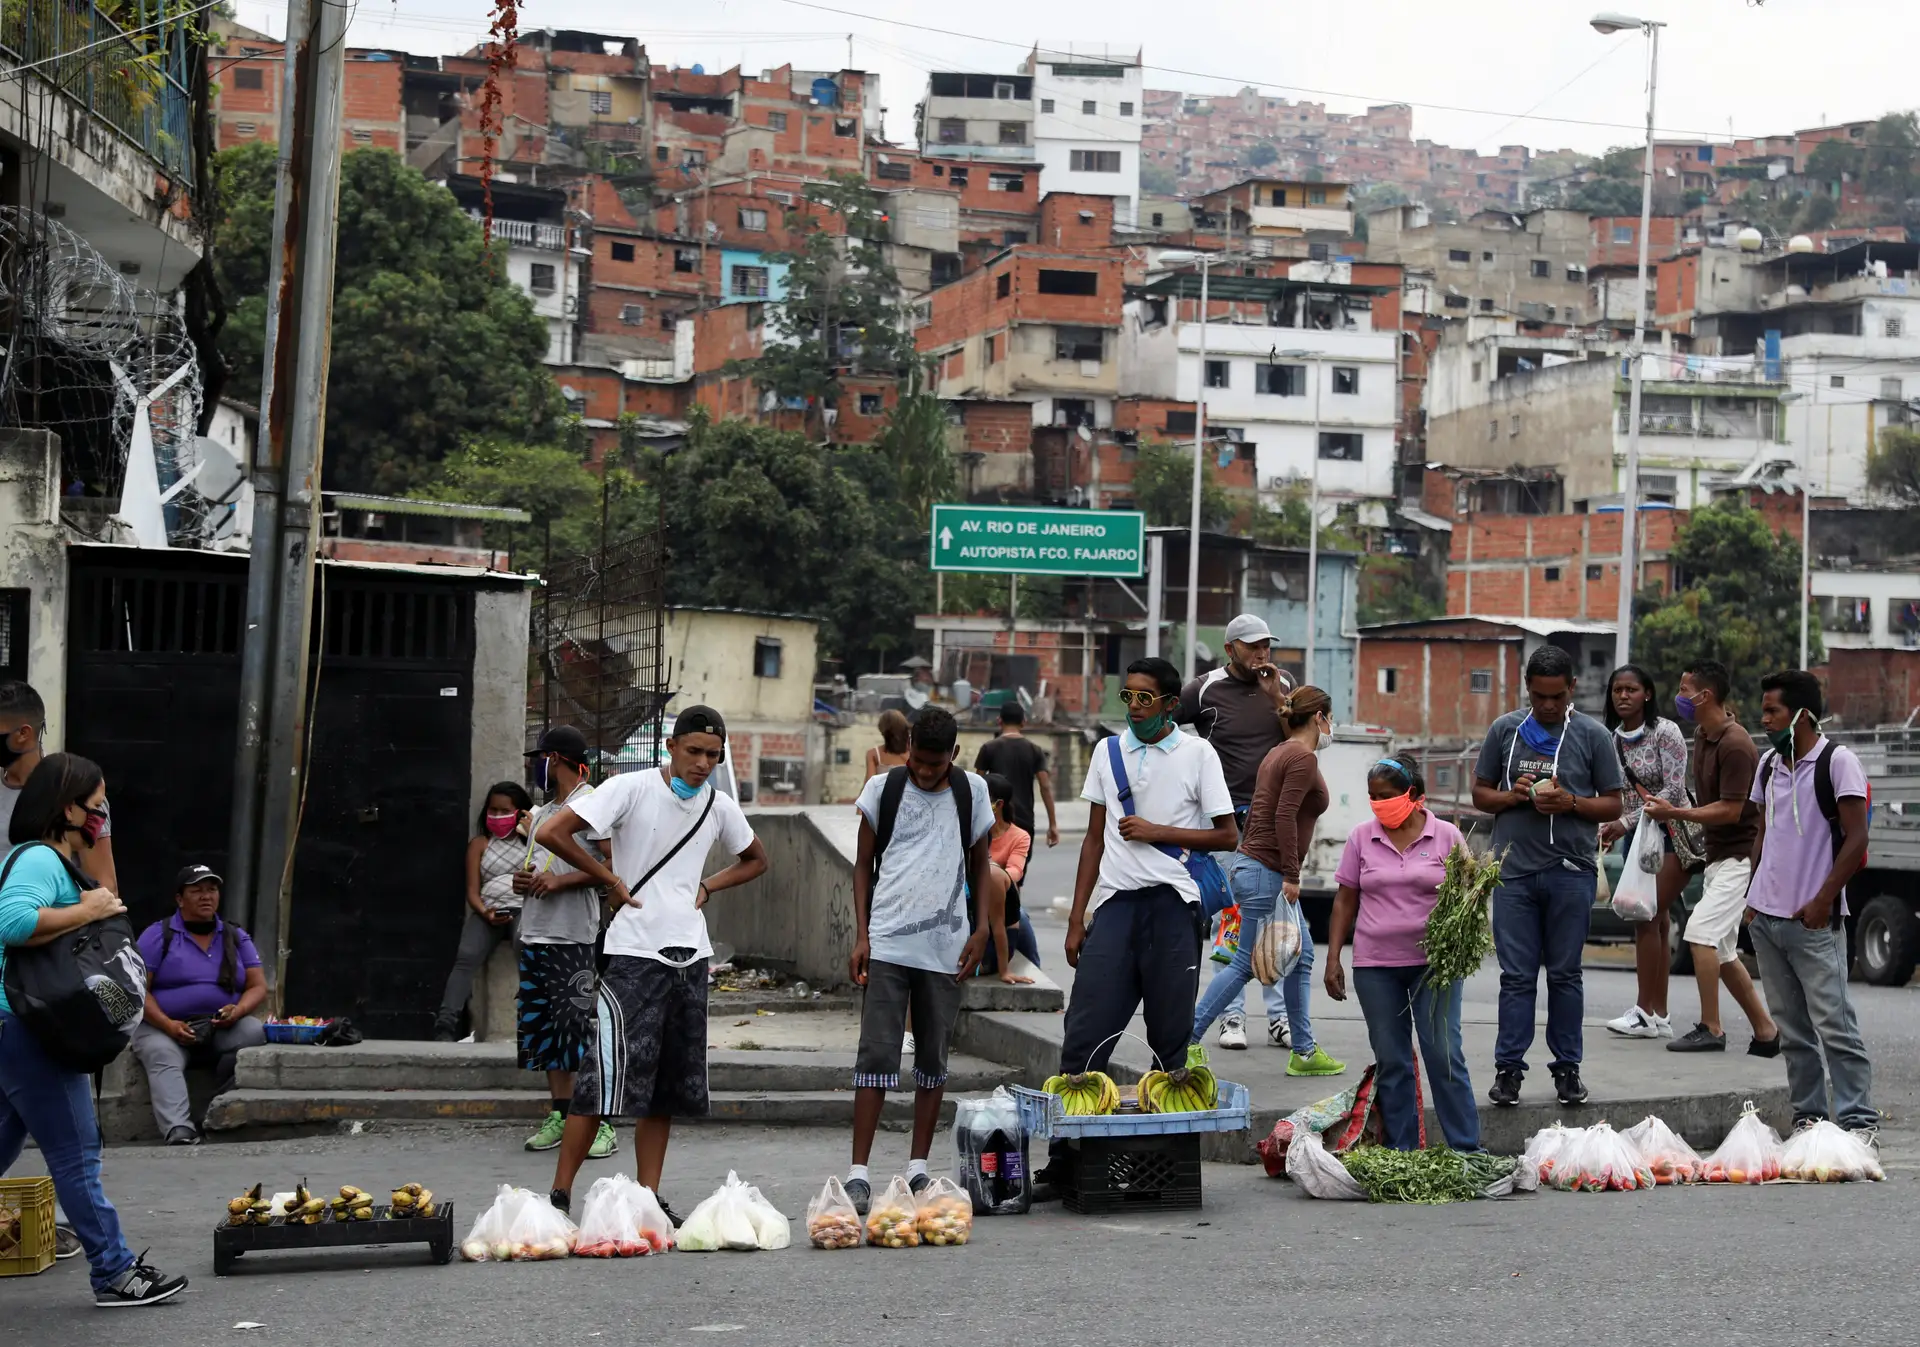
257 1113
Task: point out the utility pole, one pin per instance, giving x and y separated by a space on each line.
1199 448
269 767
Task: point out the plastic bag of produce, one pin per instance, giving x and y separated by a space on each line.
771 1229
943 1214
990 1160
490 1239
1277 948
832 1223
1752 1152
1636 897
1601 1161
891 1221
1823 1153
1317 1173
1666 1152
540 1232
721 1222
1548 1147
622 1219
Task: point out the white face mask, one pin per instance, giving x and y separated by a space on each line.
1326 742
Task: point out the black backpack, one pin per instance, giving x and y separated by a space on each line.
896 788
1829 803
81 995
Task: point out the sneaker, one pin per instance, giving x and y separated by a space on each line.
446 1031
139 1285
183 1136
1765 1047
666 1208
550 1132
919 1183
1868 1136
605 1142
1319 1064
1699 1039
66 1244
1638 1023
561 1200
1569 1087
1506 1087
1278 1034
906 1047
1233 1033
860 1193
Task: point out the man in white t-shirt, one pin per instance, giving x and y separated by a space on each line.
1135 931
648 1057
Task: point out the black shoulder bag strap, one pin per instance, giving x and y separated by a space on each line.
891 793
674 850
963 805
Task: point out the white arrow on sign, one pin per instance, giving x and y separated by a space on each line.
946 537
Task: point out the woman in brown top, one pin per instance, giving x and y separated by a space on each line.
892 749
1289 796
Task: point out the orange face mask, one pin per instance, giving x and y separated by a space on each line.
1394 810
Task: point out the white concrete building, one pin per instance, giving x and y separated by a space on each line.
1870 608
531 223
1086 123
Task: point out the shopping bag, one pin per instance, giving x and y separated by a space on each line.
1599 1161
771 1229
943 1214
520 1226
832 1222
1636 898
1277 948
721 1222
1226 936
1342 1121
487 1241
893 1222
1751 1153
1546 1147
622 1219
1667 1154
1823 1153
1319 1174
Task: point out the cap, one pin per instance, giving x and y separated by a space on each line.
1247 629
195 874
700 720
565 740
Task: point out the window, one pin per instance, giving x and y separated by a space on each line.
576 405
691 159
660 153
993 350
1892 327
1552 574
776 121
870 404
1094 161
540 278
1493 430
1316 196
623 252
1343 446
243 128
1460 255
1069 282
363 137
953 131
894 170
1476 371
249 77
1078 343
766 657
1346 379
1277 195
1845 614
1389 681
1180 423
1903 617
1003 285
1089 108
1487 256
1013 133
1486 306
1006 182
1004 91
1576 274
1218 373
600 101
1837 381
1515 430
633 313
753 220
1623 233
1480 681
685 260
957 177
1286 381
1890 389
1594 571
749 282
844 127
1599 659
1009 237
1542 269
1456 301
1046 105
1158 219
1126 109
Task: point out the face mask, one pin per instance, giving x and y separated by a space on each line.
95 825
1782 740
8 753
682 789
1394 811
1631 735
543 775
1146 731
502 825
1326 742
199 927
1684 706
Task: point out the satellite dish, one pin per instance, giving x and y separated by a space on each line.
221 472
1750 240
1086 436
567 392
1799 243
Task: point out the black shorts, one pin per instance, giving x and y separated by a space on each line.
648 1054
891 988
556 1006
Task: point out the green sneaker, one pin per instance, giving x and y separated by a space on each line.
605 1142
1317 1065
549 1134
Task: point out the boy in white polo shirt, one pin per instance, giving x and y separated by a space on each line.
1135 932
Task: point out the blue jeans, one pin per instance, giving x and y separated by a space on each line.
1257 890
54 1107
1540 921
1805 973
1398 1004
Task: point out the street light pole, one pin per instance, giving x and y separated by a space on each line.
1313 531
1199 448
1610 23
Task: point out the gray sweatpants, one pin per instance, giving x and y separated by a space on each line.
166 1062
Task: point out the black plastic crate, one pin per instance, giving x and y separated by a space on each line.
1143 1173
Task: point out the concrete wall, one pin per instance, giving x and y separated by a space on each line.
497 744
1560 417
800 914
34 559
711 655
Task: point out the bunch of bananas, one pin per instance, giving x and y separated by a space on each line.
1191 1089
409 1200
352 1204
250 1208
1086 1094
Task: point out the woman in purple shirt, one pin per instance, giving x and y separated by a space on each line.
1388 881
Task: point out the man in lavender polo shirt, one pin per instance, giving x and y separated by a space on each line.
1798 900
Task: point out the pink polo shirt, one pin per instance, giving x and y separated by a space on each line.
1397 890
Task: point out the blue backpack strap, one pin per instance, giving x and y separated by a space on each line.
1123 788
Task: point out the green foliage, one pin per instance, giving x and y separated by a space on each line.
1390 591
916 442
1262 154
1158 180
1163 487
1040 597
1737 600
554 485
432 347
1818 212
1896 468
1606 196
1833 160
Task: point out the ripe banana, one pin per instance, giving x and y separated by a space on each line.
1085 1094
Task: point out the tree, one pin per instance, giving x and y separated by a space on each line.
1896 468
1737 599
1262 154
1390 591
1817 213
1893 158
1835 161
1163 487
432 347
915 442
1158 180
551 483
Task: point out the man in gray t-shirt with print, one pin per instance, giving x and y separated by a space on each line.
1550 777
923 849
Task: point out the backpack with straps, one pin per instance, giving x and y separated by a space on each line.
895 789
1828 802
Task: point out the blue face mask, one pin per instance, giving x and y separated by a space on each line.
1538 737
543 774
1683 705
682 789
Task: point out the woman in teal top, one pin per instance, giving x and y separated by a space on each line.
55 821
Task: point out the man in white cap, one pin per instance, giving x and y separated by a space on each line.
1236 709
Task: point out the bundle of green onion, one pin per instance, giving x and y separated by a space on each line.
1459 932
1428 1177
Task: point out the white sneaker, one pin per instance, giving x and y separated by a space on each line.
1233 1033
1278 1034
906 1046
1664 1023
1637 1023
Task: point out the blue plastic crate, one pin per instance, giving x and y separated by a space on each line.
295 1033
1043 1116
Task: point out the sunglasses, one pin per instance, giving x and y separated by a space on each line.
1135 697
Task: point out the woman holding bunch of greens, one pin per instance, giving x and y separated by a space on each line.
1388 882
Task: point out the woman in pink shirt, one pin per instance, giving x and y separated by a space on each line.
1388 881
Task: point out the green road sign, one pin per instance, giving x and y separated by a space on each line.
1007 540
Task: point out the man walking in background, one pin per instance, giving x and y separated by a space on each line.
1024 764
1236 708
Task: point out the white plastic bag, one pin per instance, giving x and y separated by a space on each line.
892 1220
990 1154
1823 1153
1599 1161
622 1219
832 1222
943 1214
1636 898
1277 949
540 1232
1319 1174
1549 1146
1666 1152
488 1241
724 1220
771 1229
1751 1153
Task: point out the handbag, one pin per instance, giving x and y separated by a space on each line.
1201 867
1688 839
80 995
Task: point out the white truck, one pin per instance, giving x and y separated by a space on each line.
1344 764
1884 897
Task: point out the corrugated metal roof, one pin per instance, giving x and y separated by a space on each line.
445 509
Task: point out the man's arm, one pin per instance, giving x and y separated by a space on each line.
1093 848
1719 814
556 835
1222 836
862 902
1044 779
1188 710
990 911
100 863
1853 848
751 865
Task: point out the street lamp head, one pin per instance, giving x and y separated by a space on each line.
1609 22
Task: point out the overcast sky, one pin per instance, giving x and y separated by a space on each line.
1472 68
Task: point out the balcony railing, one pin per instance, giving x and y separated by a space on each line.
125 64
526 234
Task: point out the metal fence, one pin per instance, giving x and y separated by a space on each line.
598 656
